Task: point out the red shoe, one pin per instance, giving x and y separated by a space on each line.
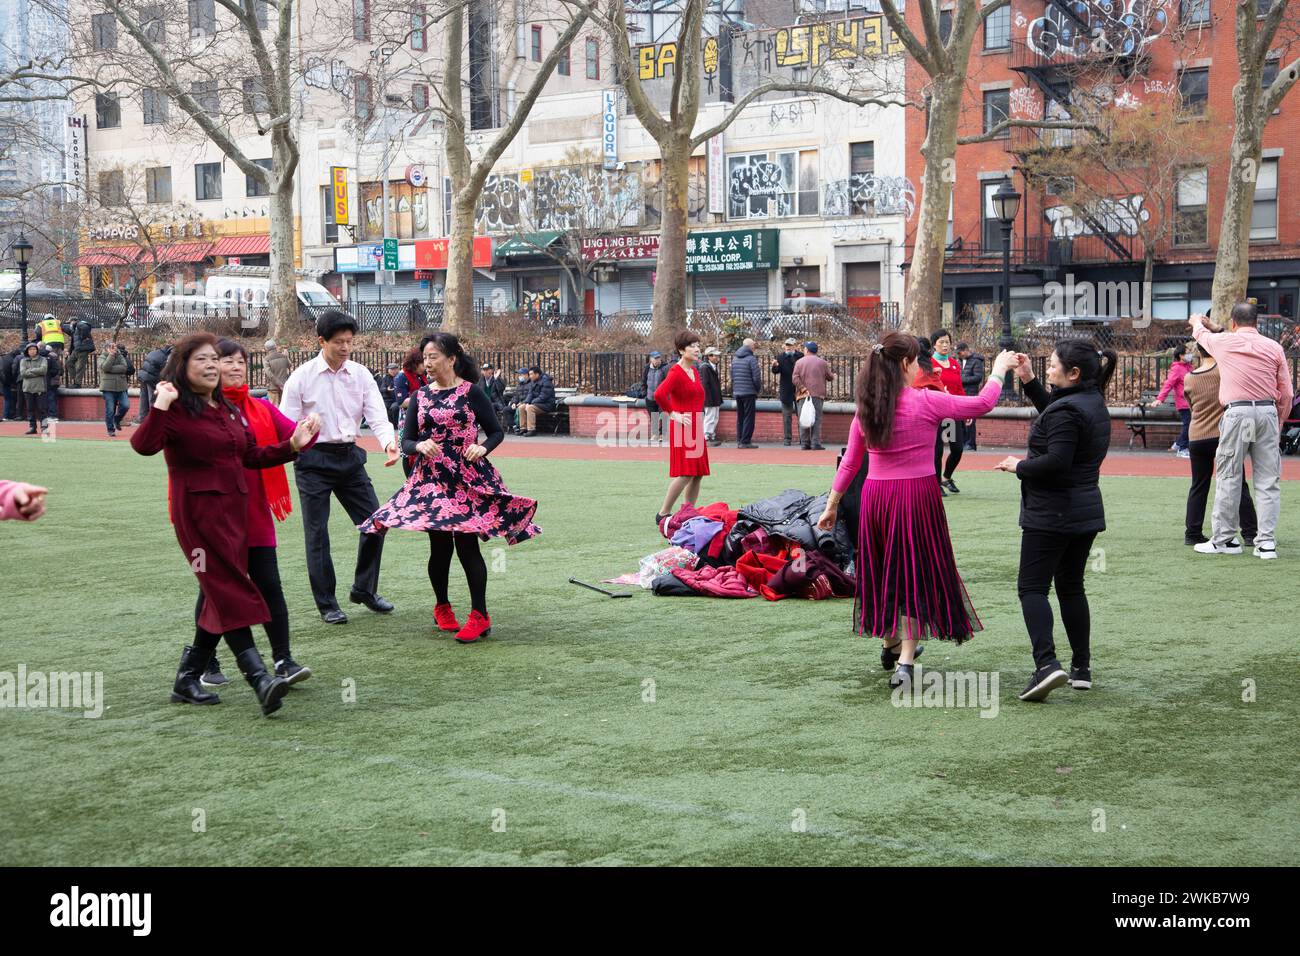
445 618
477 626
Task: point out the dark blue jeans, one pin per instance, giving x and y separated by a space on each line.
116 405
1186 415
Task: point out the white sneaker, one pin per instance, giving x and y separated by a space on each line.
1184 453
1267 554
1174 447
1209 547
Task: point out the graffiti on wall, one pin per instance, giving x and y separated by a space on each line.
1113 26
870 195
541 302
503 205
792 114
796 46
336 76
1026 103
586 197
1117 216
758 179
697 192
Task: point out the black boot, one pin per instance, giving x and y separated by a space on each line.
187 689
270 690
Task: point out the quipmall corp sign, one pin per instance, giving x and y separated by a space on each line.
737 250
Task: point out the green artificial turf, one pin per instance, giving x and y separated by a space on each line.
770 737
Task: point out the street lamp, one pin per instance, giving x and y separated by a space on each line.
1006 203
23 255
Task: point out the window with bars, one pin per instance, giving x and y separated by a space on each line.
207 181
154 106
158 184
1190 207
1263 214
253 187
593 58
997 109
108 111
203 18
103 31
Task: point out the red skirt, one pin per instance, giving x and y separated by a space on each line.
908 585
688 452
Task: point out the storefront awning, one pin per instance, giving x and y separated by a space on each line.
178 252
109 256
242 246
530 243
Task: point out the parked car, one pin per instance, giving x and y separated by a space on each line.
187 311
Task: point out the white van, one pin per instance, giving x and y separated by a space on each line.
251 291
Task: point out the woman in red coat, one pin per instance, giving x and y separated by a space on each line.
207 447
681 395
952 431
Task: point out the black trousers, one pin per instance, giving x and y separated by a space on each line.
339 471
952 434
1202 451
745 410
1047 557
264 570
970 434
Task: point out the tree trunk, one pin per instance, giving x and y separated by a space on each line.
670 272
1148 286
458 299
925 276
283 297
1232 260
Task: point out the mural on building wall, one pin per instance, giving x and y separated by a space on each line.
586 197
336 76
1116 26
697 193
542 302
408 210
502 207
870 195
1116 216
760 179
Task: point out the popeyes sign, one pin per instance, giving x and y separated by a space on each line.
620 247
432 253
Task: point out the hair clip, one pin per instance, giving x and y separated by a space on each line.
878 347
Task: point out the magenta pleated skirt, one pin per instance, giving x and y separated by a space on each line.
908 585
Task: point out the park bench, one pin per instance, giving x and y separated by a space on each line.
1138 426
558 419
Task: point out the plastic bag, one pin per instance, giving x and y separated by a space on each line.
807 414
661 562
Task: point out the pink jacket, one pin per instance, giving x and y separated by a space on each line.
1174 382
8 508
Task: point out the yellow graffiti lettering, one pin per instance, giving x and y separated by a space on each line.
871 35
711 55
646 62
821 39
792 46
667 58
845 45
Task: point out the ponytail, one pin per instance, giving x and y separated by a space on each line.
1095 367
879 385
449 345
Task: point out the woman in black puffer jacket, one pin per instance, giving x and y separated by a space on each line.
1061 509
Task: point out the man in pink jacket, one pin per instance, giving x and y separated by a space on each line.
811 373
19 501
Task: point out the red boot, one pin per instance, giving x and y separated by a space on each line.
445 618
477 626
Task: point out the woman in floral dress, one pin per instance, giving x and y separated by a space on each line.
454 493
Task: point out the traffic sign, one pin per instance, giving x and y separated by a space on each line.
390 255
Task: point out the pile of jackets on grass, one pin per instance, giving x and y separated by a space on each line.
772 548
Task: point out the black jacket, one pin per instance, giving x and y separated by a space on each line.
154 363
541 393
9 368
783 366
82 339
1067 443
711 384
972 374
792 514
495 388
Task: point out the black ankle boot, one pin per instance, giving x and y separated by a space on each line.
187 689
270 690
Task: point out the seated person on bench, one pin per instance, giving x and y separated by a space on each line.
538 396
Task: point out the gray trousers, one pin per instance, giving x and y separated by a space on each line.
1254 431
812 437
711 422
787 416
658 425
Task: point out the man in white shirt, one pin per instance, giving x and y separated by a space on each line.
342 393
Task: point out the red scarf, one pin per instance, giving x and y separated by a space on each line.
274 482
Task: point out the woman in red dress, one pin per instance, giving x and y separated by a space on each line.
207 447
681 395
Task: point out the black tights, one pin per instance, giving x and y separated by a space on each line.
1047 557
265 572
952 433
441 544
238 640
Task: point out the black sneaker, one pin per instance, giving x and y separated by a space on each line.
291 671
888 658
942 493
1248 540
1081 678
952 486
903 675
1044 681
1194 539
212 677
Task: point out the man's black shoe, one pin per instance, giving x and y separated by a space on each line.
818 447
334 616
291 670
372 601
1081 678
1045 680
747 445
1190 540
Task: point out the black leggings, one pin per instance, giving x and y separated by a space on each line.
1046 556
441 544
265 572
952 432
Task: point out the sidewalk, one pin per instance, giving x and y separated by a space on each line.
1120 461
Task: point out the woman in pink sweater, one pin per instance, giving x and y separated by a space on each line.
908 585
1174 382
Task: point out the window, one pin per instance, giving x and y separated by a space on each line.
759 187
108 111
861 279
419 28
1262 7
203 18
361 19
158 184
801 281
154 105
562 66
111 189
207 97
153 25
997 29
103 31
361 94
945 25
1190 220
990 224
1193 91
259 11
809 196
537 45
1269 73
862 163
207 181
1263 215
331 228
1194 12
997 108
420 97
593 58
253 187
255 100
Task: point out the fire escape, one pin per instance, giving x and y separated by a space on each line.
1072 39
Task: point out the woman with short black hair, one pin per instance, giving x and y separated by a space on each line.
1061 510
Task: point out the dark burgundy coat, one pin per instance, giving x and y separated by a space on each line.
206 457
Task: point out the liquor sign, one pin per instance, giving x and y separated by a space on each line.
738 250
432 253
609 128
620 247
717 177
339 183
